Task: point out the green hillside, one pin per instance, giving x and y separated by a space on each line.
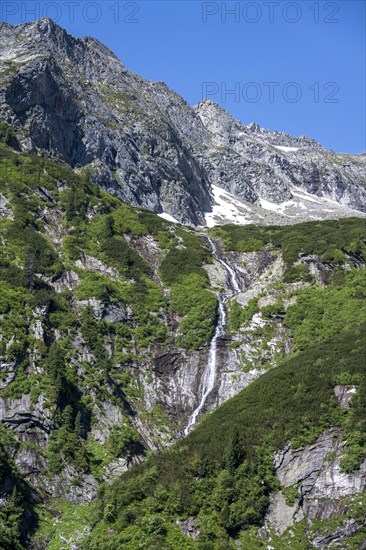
223 472
93 293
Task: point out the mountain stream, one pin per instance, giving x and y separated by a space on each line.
210 373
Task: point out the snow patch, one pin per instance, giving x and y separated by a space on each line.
287 149
226 208
279 208
304 195
168 217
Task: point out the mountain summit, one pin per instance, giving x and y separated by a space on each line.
75 101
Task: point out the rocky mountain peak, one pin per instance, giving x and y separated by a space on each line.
215 117
253 127
73 100
39 34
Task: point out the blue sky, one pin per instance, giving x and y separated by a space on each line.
298 67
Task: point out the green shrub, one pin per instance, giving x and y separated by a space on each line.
331 240
197 305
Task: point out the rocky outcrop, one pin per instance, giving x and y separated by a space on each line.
8 372
306 467
67 280
320 491
344 395
73 99
32 421
189 528
349 529
5 207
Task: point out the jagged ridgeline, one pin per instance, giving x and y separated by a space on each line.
106 313
73 100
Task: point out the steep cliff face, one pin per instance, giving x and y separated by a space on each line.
73 99
317 492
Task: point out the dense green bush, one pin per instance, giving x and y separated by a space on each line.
119 254
331 240
124 441
238 315
191 299
320 313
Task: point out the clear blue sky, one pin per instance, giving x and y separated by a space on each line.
318 45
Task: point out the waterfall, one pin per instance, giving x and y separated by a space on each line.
209 375
233 279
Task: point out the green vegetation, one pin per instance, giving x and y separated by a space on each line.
130 286
238 316
190 297
61 521
17 516
222 473
319 313
332 241
185 258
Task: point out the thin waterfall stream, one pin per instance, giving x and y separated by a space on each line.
209 376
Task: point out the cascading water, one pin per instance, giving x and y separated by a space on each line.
209 375
234 281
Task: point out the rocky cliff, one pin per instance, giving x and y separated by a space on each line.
317 491
74 100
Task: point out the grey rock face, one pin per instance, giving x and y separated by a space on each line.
324 491
5 210
32 421
189 528
8 372
73 99
307 467
68 280
251 163
348 529
280 515
344 394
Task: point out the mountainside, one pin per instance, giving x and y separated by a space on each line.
120 329
162 384
220 488
74 100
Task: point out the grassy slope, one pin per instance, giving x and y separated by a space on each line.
91 221
222 472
